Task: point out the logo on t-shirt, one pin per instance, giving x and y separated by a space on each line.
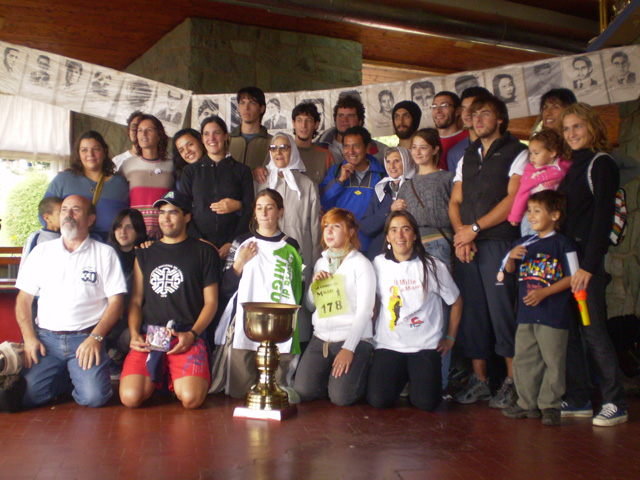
165 279
89 275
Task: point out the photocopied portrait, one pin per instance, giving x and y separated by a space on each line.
73 81
539 78
422 92
13 62
137 94
507 84
585 77
40 76
621 69
102 94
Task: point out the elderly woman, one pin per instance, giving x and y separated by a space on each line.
220 188
400 167
92 175
301 219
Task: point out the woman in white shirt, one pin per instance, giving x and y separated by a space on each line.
336 362
409 344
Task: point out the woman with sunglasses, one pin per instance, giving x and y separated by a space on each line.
220 188
301 219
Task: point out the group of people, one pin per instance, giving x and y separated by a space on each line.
460 241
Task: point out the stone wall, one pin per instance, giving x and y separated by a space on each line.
623 261
208 56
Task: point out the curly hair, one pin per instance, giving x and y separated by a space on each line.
163 142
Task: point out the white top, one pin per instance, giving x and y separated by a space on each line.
517 166
267 277
73 287
119 159
419 319
360 284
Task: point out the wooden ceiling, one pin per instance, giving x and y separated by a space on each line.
427 37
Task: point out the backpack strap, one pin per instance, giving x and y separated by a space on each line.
589 179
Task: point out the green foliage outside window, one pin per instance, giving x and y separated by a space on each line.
21 213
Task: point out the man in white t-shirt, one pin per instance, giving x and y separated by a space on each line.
81 286
132 126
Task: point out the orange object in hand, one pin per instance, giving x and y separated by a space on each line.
581 298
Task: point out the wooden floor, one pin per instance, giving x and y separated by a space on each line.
164 441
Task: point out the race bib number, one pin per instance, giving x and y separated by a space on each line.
330 296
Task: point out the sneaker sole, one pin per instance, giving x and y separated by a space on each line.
577 414
610 422
550 423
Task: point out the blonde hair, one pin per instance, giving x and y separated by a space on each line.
596 127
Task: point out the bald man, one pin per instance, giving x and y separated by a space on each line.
81 288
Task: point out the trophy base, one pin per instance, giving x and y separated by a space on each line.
277 415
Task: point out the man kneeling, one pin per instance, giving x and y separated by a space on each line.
176 278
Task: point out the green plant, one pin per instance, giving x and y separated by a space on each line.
21 214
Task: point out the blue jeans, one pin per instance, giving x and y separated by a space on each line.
50 376
441 249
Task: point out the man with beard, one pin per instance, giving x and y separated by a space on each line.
446 112
406 121
457 151
175 279
132 127
347 113
317 160
81 289
485 186
249 142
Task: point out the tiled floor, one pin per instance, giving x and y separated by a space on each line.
163 441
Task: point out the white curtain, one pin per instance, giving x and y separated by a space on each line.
33 130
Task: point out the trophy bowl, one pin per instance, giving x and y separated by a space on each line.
268 323
274 322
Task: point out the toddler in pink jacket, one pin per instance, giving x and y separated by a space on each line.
545 170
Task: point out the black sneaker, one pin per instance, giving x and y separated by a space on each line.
551 417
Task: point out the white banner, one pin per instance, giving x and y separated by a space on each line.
598 78
82 87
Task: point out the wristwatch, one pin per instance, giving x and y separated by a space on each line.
96 337
475 227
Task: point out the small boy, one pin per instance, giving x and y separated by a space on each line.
49 210
543 316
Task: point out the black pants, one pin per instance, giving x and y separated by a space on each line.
599 349
391 370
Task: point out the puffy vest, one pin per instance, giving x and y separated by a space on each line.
485 183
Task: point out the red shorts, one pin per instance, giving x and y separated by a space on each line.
192 363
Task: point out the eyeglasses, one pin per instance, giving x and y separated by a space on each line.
279 148
442 106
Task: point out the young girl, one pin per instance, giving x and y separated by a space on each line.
590 213
428 193
409 341
336 362
128 231
400 167
545 171
263 266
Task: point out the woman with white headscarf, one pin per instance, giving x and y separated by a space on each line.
301 220
400 168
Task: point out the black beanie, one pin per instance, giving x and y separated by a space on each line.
414 110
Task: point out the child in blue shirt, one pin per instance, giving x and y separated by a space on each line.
542 315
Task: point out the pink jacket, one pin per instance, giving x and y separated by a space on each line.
535 179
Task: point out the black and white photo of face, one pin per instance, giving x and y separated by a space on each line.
73 73
10 59
422 93
173 100
100 84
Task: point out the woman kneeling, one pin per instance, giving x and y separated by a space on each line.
408 339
